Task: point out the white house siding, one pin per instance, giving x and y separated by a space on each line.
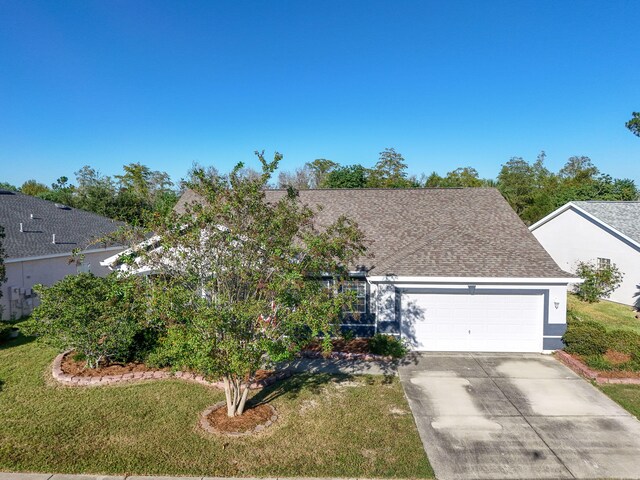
22 275
541 306
571 237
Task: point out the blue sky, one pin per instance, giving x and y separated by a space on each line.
448 83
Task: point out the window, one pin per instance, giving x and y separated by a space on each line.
359 286
358 313
604 263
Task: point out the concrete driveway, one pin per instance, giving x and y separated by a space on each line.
525 416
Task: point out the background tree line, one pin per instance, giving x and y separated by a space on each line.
130 197
530 187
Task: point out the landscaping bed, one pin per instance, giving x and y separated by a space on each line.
598 348
70 370
380 347
327 426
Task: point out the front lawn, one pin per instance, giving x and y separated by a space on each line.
628 396
328 426
611 315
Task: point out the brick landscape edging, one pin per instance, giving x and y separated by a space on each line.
78 381
582 369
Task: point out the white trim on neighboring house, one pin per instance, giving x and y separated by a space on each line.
474 280
109 261
596 220
56 255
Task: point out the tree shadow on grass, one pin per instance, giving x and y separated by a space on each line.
292 386
16 342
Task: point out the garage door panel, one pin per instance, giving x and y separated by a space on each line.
479 322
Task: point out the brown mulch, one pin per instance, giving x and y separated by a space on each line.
249 420
618 374
78 368
610 373
616 358
357 345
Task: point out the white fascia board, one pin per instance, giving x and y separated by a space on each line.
108 262
475 280
57 255
552 215
569 205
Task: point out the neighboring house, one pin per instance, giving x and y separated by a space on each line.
602 232
446 269
40 239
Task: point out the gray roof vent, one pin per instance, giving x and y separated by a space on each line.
62 207
6 192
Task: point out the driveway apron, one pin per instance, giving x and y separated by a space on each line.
516 416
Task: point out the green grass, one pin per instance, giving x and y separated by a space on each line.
628 396
611 315
328 426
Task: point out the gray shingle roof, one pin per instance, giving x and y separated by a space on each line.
433 232
73 228
623 216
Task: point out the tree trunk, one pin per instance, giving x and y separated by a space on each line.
236 393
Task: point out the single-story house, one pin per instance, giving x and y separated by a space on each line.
40 237
595 231
445 269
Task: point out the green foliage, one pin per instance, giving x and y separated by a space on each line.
624 341
97 317
599 282
390 171
8 186
347 334
533 191
234 278
33 188
351 176
598 362
131 197
388 345
320 168
5 330
585 338
634 124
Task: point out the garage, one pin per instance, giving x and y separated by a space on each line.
481 321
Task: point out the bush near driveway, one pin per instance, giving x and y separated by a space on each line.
602 349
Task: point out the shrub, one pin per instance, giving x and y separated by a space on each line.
624 341
585 338
599 282
5 330
97 317
387 345
598 362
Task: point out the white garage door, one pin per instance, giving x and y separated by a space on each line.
472 322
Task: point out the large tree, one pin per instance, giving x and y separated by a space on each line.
634 124
240 281
350 176
390 171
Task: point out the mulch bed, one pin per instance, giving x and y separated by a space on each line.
77 368
245 423
616 358
577 364
357 345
